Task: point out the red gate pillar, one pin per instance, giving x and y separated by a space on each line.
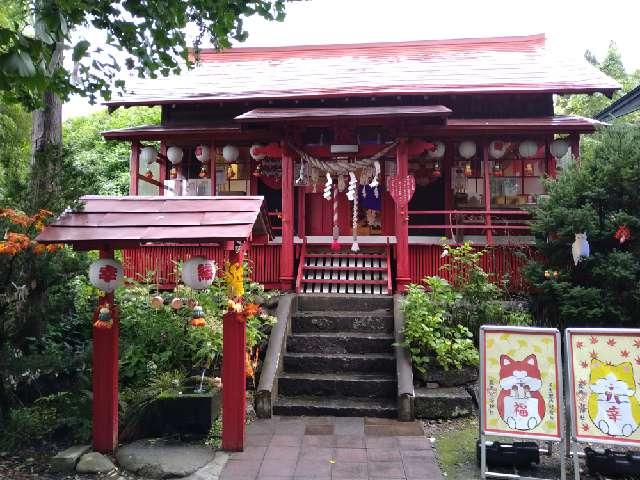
234 395
286 252
402 221
105 378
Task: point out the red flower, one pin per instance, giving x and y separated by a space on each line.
624 353
638 360
594 340
579 345
593 355
636 343
582 383
622 234
611 342
585 427
584 364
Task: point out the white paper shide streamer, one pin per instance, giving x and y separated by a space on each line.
328 187
351 189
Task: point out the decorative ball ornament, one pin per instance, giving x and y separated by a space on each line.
580 248
174 154
254 155
106 274
104 321
497 149
197 317
199 273
157 302
437 151
467 149
230 153
528 149
559 148
202 153
177 303
148 155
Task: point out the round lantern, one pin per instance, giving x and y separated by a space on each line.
497 149
230 153
559 148
202 153
199 273
174 154
148 155
437 152
254 155
467 149
528 149
106 274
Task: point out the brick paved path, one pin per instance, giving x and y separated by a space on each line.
324 448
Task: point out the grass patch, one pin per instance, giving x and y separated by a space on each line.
456 451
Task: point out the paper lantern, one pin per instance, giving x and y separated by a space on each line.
230 153
254 155
467 149
106 274
528 149
174 154
177 303
559 148
438 150
497 149
148 155
199 273
202 153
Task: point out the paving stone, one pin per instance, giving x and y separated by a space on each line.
286 440
275 467
421 468
383 454
249 453
312 468
414 443
380 430
94 462
212 470
275 452
319 440
409 429
349 471
319 430
323 454
236 470
351 455
381 442
261 440
66 460
386 470
350 441
349 426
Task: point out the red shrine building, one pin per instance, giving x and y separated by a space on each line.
367 155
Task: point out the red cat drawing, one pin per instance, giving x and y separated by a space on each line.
520 403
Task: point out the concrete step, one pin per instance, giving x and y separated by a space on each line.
339 363
339 302
340 342
337 384
337 407
371 321
437 403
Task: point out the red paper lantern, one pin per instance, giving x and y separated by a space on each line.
199 273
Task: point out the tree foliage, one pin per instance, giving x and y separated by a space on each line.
152 36
598 197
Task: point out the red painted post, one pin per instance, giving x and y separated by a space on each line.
105 379
286 254
134 167
212 168
402 222
487 191
574 141
234 395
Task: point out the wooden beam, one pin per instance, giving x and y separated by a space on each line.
134 167
286 254
487 190
402 221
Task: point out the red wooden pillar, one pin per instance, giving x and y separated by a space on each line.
487 190
105 379
402 221
550 160
234 395
212 168
286 253
574 141
134 167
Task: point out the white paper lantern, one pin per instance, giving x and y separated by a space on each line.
497 149
559 148
528 149
174 154
202 153
467 149
106 274
148 155
254 155
230 153
437 152
199 273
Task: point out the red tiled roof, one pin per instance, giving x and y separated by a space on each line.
486 65
302 114
127 221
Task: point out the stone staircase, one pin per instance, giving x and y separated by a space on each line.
339 358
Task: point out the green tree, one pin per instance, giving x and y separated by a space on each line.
597 197
15 125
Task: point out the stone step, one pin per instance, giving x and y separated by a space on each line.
340 342
338 302
337 407
339 362
438 403
371 321
337 384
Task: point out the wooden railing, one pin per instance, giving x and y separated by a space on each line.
489 221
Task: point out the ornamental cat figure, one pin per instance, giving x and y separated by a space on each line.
520 403
580 247
613 407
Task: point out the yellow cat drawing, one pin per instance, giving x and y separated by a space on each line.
613 406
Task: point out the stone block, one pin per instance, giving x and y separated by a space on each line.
66 460
435 403
94 462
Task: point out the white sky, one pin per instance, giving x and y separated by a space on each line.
571 25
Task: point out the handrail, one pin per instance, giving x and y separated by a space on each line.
470 212
301 260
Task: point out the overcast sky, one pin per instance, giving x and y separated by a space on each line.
571 25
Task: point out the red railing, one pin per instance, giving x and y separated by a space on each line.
491 221
278 215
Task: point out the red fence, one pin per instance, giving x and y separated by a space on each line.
161 261
499 261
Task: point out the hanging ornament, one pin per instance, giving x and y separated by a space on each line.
468 171
258 171
335 245
199 273
157 302
106 274
253 150
104 321
622 234
203 172
342 183
177 303
300 179
234 276
202 153
559 148
148 174
230 153
315 176
436 173
148 155
528 169
528 149
497 169
174 154
327 187
173 173
437 151
351 190
354 246
580 247
197 317
467 149
497 149
375 182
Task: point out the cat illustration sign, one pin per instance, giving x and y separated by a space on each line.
520 382
603 367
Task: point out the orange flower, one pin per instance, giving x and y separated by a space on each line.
52 248
251 309
39 248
